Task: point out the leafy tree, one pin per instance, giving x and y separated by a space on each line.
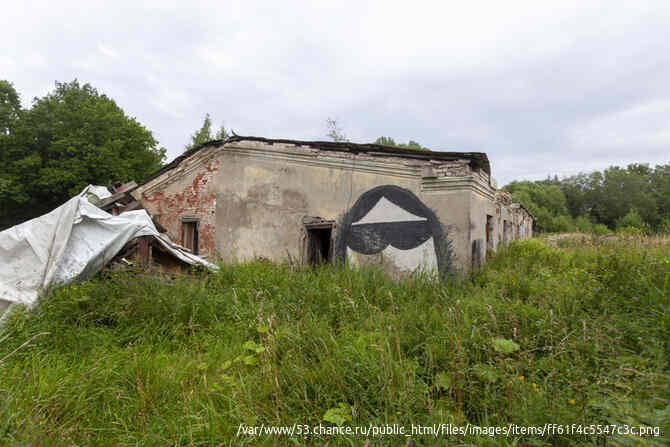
601 199
388 141
660 190
335 132
575 190
583 224
204 134
632 219
620 190
222 133
546 201
72 137
411 144
10 107
11 187
664 226
600 229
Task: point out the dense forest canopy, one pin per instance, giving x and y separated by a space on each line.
72 137
637 196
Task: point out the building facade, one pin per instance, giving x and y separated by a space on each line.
314 202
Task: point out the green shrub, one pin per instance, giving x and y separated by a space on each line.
664 226
583 225
562 224
632 220
601 229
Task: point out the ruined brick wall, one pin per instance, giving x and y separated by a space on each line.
519 220
188 191
456 168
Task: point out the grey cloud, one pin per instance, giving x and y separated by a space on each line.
543 90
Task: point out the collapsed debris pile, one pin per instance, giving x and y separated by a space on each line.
77 239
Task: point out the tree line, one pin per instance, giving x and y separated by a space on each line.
637 196
71 137
75 136
336 133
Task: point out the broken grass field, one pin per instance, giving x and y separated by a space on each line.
575 335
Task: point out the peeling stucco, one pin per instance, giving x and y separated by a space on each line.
250 196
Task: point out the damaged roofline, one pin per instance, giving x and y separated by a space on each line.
527 211
478 159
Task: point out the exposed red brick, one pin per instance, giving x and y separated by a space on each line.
197 198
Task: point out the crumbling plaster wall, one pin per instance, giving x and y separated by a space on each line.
451 203
498 204
186 191
482 205
251 197
264 192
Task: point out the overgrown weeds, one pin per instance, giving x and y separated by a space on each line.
579 335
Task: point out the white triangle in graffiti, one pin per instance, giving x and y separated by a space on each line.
418 258
385 211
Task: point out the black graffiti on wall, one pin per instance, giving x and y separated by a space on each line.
390 215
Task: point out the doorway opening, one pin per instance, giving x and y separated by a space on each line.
319 248
489 232
506 232
190 234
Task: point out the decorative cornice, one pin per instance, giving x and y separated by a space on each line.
395 167
387 165
439 184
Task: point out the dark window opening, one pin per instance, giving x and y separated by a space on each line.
476 253
506 232
319 247
190 235
489 232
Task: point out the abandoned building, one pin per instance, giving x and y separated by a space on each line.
314 202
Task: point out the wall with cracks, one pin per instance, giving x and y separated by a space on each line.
252 198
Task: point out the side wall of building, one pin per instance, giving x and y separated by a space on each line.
264 193
495 221
251 199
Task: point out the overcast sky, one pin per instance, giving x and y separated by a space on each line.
542 88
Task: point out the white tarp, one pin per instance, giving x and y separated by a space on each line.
95 193
73 241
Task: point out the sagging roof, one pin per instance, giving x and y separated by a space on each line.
73 241
477 159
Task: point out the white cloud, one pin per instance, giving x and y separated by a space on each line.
527 82
108 51
646 125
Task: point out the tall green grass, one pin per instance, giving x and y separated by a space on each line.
575 335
